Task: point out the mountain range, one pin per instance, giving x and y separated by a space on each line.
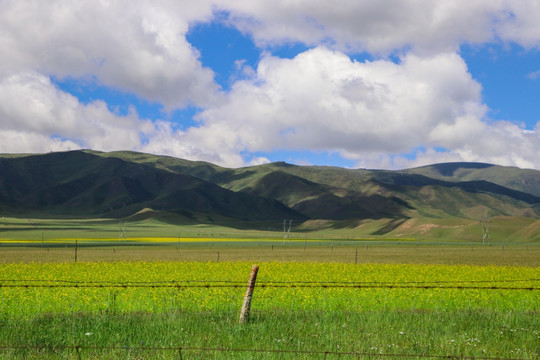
87 183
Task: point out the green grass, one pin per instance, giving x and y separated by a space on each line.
283 334
504 230
32 289
374 252
55 229
411 331
503 328
87 183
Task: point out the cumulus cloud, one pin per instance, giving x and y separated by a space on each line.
321 100
521 25
200 143
375 26
37 117
500 142
383 27
138 47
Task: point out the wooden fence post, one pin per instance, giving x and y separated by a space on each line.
244 313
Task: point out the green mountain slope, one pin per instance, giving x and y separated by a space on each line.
524 180
339 194
323 192
323 201
85 184
119 184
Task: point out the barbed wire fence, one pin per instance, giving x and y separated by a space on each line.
180 351
14 283
228 281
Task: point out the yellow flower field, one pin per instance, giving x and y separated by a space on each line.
29 289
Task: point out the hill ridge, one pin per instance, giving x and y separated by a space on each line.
122 183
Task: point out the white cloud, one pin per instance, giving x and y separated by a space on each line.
534 75
374 26
521 25
37 117
381 27
22 141
140 46
320 100
198 144
367 112
323 101
135 46
500 142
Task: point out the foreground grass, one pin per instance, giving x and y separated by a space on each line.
274 335
123 321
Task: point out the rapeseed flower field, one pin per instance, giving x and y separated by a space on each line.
37 288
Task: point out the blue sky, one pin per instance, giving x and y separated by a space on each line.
391 85
508 89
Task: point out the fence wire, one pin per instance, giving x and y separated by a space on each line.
265 285
182 349
224 281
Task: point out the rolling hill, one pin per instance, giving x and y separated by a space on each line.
79 183
119 184
524 180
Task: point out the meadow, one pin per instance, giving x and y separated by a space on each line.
377 252
179 297
300 310
199 286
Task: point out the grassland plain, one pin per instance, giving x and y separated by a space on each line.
329 294
300 310
367 251
504 230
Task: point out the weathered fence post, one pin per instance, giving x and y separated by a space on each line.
76 246
244 313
